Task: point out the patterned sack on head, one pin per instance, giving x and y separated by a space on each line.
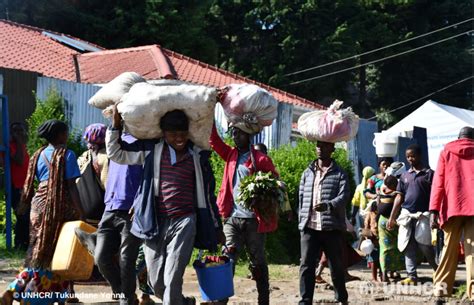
248 107
331 125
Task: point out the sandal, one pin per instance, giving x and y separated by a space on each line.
320 280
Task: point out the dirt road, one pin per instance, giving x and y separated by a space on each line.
285 289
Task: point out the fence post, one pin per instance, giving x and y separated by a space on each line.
6 149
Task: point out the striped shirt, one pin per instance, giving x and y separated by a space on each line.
176 196
315 221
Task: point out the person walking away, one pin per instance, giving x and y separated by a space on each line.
414 190
19 168
323 196
55 201
242 227
94 135
359 201
174 207
452 209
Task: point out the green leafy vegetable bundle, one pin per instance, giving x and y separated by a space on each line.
263 193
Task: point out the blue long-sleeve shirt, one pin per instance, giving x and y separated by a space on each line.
122 183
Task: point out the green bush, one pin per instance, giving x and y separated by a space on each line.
50 108
283 245
3 213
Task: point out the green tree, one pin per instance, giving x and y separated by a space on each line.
52 107
267 39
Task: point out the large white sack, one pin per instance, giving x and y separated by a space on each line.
144 105
112 92
108 111
331 125
248 106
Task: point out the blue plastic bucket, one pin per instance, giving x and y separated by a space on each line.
216 282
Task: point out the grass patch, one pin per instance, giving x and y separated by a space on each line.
10 259
460 291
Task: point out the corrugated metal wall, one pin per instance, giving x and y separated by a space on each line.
282 126
360 149
76 95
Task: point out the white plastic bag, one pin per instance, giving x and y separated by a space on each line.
331 125
144 105
112 92
248 107
367 246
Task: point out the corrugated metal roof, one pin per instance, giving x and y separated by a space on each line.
26 48
103 66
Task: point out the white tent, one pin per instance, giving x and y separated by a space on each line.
442 125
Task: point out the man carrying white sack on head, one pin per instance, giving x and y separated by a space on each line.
175 207
323 197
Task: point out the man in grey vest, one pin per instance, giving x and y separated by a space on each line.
323 196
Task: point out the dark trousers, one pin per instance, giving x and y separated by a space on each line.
22 225
242 233
331 243
114 237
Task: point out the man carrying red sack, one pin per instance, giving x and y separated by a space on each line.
243 227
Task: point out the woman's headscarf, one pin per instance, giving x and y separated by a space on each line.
95 134
367 172
50 129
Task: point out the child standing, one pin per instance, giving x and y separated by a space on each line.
370 232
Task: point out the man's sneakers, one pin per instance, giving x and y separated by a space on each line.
88 240
409 281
